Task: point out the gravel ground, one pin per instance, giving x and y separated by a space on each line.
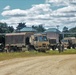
42 65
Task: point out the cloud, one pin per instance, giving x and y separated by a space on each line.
50 14
36 9
35 14
14 12
7 7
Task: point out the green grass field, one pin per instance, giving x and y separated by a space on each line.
6 56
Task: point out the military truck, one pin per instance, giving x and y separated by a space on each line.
69 42
40 42
65 42
53 43
28 41
1 47
2 43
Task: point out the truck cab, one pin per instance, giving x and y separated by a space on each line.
40 42
53 43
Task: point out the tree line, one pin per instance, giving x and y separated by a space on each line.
4 28
65 29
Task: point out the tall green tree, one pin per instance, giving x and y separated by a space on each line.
4 28
72 29
65 29
39 28
20 26
11 29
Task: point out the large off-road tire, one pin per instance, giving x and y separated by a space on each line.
53 47
30 47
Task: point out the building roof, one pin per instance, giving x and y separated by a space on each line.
53 30
27 29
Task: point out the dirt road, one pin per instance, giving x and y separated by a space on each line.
43 65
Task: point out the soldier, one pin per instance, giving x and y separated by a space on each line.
60 47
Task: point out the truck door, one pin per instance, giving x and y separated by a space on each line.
27 41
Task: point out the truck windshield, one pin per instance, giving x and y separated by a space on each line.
42 38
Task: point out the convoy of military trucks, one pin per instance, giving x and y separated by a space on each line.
34 41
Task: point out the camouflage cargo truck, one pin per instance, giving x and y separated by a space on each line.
69 42
16 41
20 41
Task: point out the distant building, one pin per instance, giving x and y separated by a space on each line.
53 33
27 29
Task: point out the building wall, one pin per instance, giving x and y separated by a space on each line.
51 35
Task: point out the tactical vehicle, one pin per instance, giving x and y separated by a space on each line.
69 42
26 41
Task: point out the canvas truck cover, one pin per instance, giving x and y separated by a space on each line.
15 39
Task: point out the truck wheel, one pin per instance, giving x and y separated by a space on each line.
68 47
44 51
53 47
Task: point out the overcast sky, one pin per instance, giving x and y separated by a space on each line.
49 13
